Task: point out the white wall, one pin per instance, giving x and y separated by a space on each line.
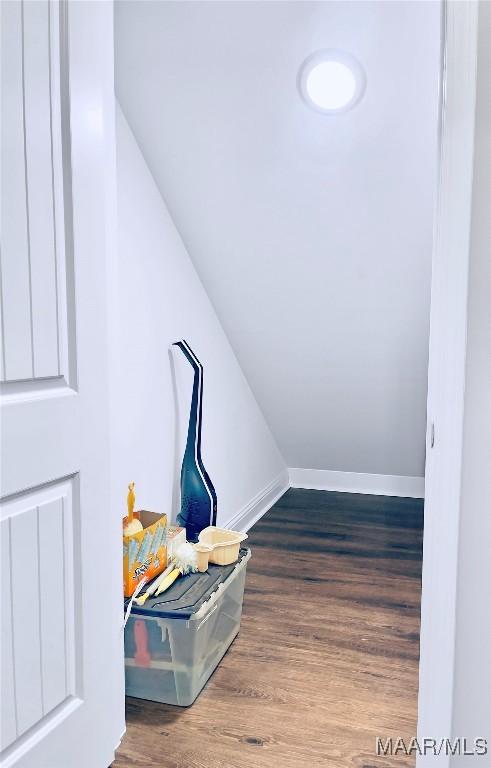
161 300
472 691
312 234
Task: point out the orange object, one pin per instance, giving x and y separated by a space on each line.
131 501
133 525
144 552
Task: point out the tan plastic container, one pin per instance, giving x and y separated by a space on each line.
224 544
203 555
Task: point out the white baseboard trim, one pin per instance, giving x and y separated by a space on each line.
323 480
259 505
358 482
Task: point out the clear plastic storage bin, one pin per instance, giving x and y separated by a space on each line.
174 643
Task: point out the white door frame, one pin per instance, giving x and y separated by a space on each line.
446 375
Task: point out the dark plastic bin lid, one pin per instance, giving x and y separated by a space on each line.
188 593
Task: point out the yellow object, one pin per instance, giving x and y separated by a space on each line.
168 581
140 600
133 525
184 561
130 500
224 544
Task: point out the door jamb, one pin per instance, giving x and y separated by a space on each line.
446 373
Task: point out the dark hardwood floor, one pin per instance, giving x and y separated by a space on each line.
327 656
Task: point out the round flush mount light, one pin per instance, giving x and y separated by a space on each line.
331 81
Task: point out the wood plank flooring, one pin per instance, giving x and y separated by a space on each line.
327 656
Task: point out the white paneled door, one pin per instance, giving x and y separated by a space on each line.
62 691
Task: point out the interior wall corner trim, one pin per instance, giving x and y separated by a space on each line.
357 482
259 504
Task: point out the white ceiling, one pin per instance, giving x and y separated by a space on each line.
311 233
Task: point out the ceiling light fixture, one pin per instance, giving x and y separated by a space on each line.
331 81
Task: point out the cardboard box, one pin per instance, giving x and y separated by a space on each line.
144 553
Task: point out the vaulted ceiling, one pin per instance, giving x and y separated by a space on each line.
311 233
